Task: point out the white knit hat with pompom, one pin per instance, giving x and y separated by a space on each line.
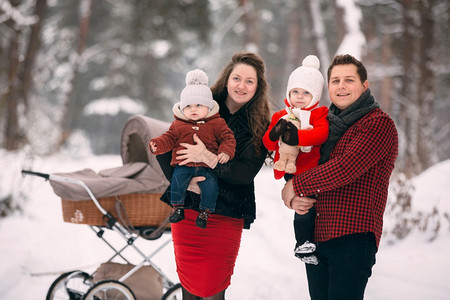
197 90
307 77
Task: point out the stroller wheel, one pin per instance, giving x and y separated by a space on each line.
109 289
70 286
173 293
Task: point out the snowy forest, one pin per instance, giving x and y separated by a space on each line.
73 72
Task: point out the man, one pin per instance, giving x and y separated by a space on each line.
350 184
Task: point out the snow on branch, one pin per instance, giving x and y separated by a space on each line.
354 40
14 14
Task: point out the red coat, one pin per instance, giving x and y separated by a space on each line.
310 137
212 131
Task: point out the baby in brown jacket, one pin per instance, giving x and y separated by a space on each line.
196 113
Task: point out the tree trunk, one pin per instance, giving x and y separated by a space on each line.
406 97
418 91
387 85
66 119
13 134
252 37
33 47
292 57
426 88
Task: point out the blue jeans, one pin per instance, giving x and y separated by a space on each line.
181 177
345 265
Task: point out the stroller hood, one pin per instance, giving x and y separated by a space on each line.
140 172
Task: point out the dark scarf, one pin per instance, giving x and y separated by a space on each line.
341 120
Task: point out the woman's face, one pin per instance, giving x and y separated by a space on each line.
241 86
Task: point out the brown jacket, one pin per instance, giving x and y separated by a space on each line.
212 131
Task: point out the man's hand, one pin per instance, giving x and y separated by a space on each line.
287 193
301 205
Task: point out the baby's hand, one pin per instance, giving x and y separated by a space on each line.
153 147
223 157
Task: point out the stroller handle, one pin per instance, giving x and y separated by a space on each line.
46 176
111 219
69 180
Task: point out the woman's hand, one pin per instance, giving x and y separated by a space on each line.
301 205
196 153
193 185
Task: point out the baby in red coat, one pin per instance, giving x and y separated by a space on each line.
303 93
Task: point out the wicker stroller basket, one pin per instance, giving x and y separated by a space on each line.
138 209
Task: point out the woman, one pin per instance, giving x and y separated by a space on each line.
205 258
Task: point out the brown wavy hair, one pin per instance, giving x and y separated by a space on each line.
257 108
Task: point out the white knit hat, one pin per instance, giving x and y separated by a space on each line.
307 77
197 90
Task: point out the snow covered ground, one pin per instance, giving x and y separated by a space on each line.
36 245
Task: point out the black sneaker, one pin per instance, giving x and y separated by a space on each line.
202 219
176 215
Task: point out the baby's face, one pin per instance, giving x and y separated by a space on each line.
300 98
195 111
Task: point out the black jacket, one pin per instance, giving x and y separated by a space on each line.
235 178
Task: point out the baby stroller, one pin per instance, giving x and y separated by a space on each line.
125 200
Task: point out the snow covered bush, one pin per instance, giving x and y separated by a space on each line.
12 196
419 204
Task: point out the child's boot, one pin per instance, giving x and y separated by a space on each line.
177 214
202 219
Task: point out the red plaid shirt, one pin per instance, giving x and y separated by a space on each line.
352 186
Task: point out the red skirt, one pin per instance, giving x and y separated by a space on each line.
205 258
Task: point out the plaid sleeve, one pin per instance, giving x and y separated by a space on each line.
363 145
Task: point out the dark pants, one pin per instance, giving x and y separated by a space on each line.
304 227
181 178
345 265
303 224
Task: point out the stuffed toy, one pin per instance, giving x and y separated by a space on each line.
288 153
287 128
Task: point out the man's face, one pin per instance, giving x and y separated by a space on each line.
345 86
